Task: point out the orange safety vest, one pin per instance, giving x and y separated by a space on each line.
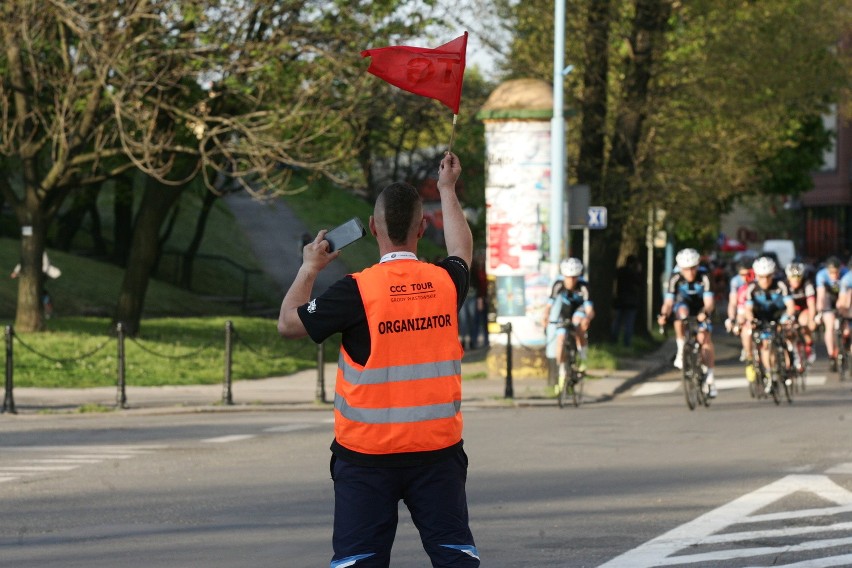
407 397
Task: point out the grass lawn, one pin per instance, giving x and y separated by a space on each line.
83 352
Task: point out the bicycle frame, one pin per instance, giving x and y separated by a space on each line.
773 373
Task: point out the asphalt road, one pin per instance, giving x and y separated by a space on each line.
638 481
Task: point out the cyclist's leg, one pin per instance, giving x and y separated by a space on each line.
828 321
708 355
680 312
560 357
581 320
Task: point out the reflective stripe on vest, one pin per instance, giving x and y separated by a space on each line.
407 395
398 373
392 415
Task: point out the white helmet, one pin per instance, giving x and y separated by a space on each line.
571 267
795 269
687 258
764 266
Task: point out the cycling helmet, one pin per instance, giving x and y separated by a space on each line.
832 262
795 270
571 267
764 266
687 258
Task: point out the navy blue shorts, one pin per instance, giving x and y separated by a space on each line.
366 512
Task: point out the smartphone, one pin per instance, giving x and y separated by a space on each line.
345 234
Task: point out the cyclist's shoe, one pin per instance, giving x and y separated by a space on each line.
833 364
678 361
743 355
581 365
711 391
811 356
750 373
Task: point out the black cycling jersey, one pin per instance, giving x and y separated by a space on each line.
768 304
801 294
689 293
569 301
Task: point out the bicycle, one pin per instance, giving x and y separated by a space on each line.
777 378
694 373
574 377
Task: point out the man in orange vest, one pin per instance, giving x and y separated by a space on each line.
397 417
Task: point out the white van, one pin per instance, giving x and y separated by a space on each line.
785 250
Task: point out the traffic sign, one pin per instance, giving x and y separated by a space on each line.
597 217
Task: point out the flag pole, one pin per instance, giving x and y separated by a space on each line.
452 134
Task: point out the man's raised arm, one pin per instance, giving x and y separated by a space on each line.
456 230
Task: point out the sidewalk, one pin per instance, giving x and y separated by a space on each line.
298 391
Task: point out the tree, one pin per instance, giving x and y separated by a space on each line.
682 105
93 90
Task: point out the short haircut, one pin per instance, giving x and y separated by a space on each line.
399 202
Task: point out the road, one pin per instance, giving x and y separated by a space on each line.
637 481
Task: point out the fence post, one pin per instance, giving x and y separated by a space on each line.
121 395
320 394
510 391
227 394
9 399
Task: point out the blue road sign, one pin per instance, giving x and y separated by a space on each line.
597 217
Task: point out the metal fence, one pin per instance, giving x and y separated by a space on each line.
231 339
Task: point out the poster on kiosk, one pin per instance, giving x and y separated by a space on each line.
517 193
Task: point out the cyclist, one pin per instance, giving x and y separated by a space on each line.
844 299
570 302
827 289
804 298
768 299
737 323
689 294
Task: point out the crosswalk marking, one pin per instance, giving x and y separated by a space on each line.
842 469
710 528
20 464
227 439
289 428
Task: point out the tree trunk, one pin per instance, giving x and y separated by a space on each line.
192 250
29 313
123 214
616 190
591 159
144 249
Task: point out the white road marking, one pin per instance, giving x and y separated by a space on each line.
661 551
8 468
289 428
654 388
226 439
842 469
68 458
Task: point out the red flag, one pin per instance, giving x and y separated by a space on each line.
435 73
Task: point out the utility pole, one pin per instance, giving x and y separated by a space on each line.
557 145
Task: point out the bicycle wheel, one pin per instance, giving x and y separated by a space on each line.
843 364
577 388
690 384
568 364
777 376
